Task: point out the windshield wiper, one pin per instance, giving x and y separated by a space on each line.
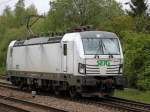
99 48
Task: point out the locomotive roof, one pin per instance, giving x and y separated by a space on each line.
97 34
40 40
45 40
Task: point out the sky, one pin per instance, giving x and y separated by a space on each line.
42 5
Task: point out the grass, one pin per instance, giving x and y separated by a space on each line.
133 94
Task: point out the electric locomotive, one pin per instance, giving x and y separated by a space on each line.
87 63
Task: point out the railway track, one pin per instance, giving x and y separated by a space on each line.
2 76
9 108
113 102
27 106
119 104
140 105
124 104
23 105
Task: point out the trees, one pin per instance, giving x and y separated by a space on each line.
8 17
31 10
69 13
139 12
20 13
138 7
136 49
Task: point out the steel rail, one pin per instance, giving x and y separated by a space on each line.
3 77
146 105
13 107
121 107
31 104
127 101
128 105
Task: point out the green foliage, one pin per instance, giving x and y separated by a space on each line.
20 13
65 14
138 7
142 24
117 24
136 49
31 10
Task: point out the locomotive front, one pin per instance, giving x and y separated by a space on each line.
102 63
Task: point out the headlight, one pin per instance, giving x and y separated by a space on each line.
120 68
82 68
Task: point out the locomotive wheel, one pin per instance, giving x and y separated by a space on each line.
56 91
21 86
73 93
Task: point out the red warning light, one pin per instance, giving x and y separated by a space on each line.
81 29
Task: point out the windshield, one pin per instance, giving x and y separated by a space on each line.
93 46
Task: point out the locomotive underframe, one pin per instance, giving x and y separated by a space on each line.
83 85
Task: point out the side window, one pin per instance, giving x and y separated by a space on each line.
65 49
11 51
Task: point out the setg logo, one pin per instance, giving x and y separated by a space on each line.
103 62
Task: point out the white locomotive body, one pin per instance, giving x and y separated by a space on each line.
87 63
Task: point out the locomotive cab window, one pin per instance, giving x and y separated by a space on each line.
101 46
65 49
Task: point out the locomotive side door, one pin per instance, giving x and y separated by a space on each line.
67 57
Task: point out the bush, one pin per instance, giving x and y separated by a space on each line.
136 48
